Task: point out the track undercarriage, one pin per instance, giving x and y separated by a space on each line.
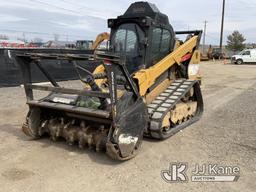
146 84
174 109
178 106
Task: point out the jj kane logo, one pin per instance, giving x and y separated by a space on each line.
215 173
177 172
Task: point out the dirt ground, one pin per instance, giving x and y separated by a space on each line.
226 135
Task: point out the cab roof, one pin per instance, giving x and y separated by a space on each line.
145 9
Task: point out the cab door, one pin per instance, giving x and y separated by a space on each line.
125 40
246 56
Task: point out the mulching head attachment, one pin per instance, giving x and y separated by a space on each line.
95 116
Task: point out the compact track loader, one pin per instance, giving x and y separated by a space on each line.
148 85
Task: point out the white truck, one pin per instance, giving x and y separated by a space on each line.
246 56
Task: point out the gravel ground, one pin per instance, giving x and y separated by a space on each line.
226 135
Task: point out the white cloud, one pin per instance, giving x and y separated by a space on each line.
9 18
87 18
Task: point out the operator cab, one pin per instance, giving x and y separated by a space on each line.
126 41
143 35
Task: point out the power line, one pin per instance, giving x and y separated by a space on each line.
38 33
85 7
43 33
69 10
68 2
81 6
251 4
212 37
55 6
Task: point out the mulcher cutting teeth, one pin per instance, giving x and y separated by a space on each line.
145 84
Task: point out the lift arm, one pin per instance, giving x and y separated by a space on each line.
99 39
147 77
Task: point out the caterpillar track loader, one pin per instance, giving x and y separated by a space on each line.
148 85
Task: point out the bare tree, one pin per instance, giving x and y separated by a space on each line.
21 39
37 40
4 37
56 37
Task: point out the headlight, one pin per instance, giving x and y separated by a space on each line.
193 69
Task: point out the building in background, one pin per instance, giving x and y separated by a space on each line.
11 43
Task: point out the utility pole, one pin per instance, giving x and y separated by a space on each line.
24 37
205 24
222 25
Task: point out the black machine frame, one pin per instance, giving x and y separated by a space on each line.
112 63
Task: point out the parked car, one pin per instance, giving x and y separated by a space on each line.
246 56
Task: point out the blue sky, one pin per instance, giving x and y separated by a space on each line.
84 19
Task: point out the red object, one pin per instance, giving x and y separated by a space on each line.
107 62
21 46
186 57
4 44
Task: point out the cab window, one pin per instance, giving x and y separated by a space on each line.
156 41
247 53
160 44
125 41
165 43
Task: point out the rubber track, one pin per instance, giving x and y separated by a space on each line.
165 102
